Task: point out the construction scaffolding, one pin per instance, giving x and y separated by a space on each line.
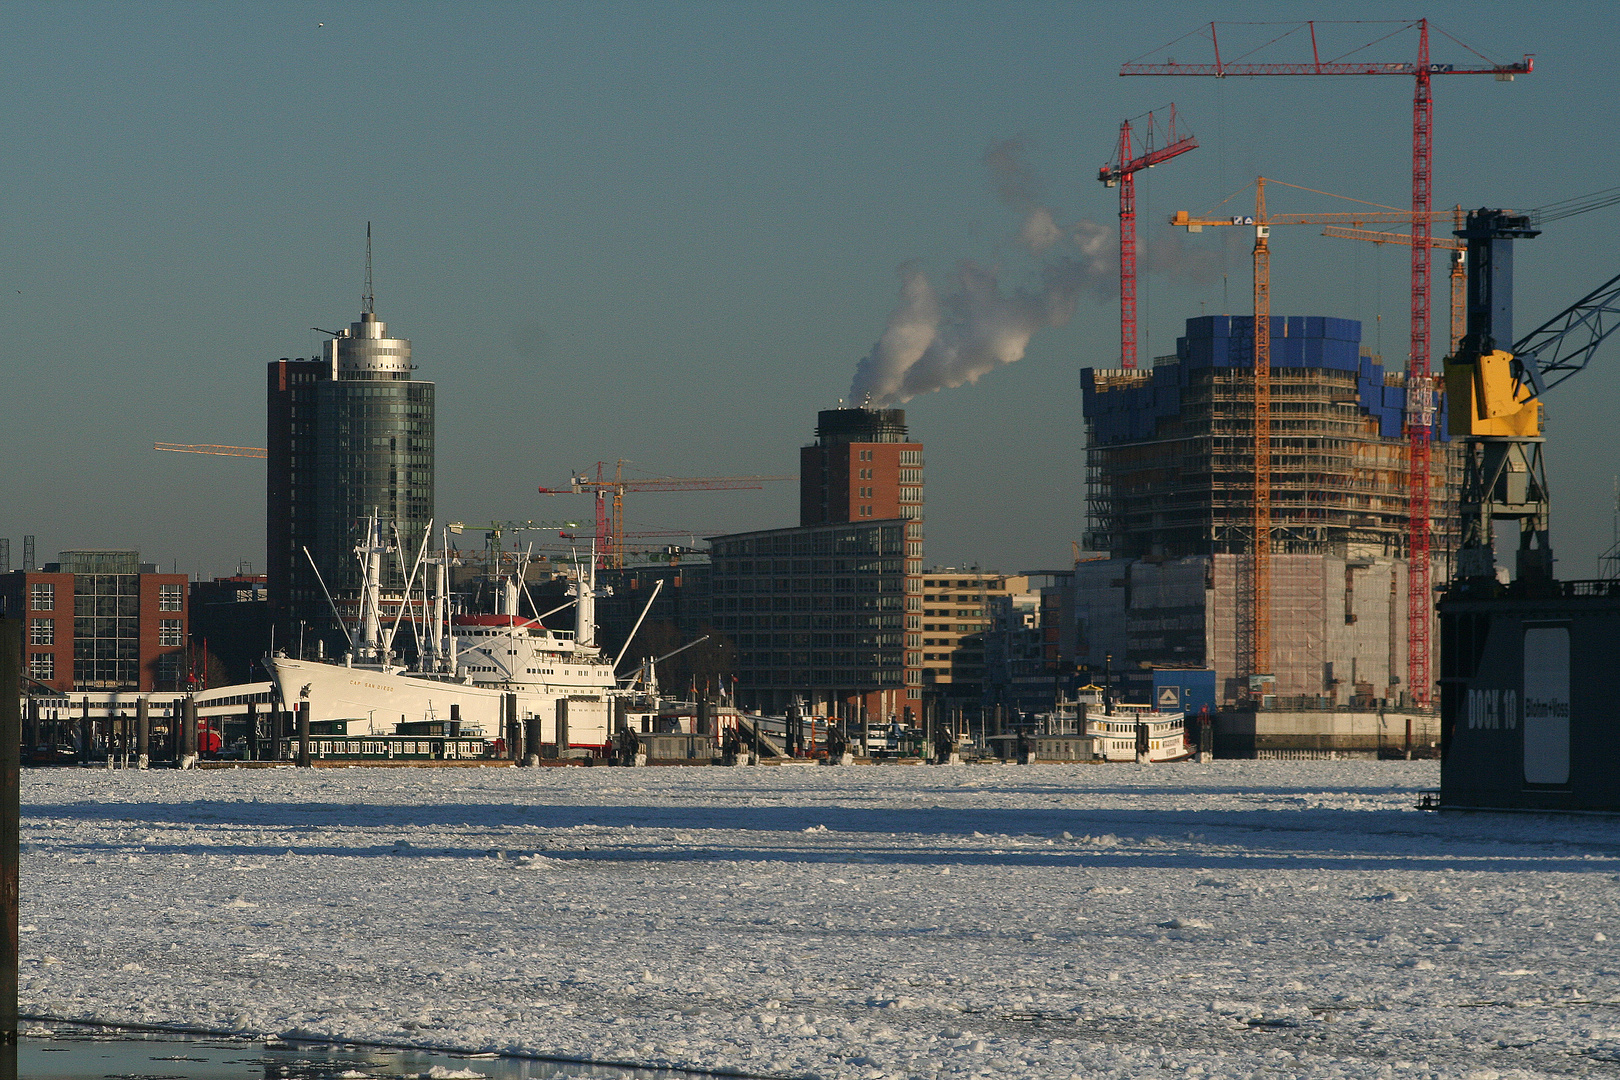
1170 451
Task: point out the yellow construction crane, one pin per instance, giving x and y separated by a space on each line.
210 448
1459 274
609 492
1255 618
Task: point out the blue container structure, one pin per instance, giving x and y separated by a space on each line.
1188 690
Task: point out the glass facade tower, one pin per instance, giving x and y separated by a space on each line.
350 434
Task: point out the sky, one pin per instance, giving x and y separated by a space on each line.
668 233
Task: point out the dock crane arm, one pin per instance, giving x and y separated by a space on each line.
1564 344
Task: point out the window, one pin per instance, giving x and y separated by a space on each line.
170 670
42 597
106 631
170 598
42 631
42 666
169 632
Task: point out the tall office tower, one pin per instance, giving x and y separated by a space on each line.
830 613
349 434
861 467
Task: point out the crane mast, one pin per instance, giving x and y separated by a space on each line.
1121 173
1260 543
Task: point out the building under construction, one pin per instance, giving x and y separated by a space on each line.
1171 492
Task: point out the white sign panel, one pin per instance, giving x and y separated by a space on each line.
1546 705
1169 697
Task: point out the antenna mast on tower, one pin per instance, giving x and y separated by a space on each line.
368 300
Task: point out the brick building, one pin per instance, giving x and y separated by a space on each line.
99 620
830 613
862 467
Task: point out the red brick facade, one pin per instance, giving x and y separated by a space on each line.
44 603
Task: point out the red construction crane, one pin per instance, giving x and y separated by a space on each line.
1419 385
609 492
1254 618
1121 172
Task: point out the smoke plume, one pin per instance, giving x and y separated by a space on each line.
935 341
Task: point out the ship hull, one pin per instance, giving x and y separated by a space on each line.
380 701
1114 735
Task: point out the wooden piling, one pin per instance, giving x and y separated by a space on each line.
531 740
86 733
143 733
514 727
10 817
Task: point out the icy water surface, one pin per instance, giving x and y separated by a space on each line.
1234 919
97 1055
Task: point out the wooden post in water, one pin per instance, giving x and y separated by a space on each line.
143 733
31 730
303 735
531 740
514 727
188 734
10 817
85 733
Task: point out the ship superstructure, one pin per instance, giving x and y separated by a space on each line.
481 669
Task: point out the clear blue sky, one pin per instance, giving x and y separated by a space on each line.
668 232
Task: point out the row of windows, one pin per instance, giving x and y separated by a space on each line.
871 584
849 541
748 641
819 566
106 606
960 613
85 607
822 659
106 585
124 627
838 678
808 603
842 621
106 673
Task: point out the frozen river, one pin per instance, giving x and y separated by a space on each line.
1233 919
